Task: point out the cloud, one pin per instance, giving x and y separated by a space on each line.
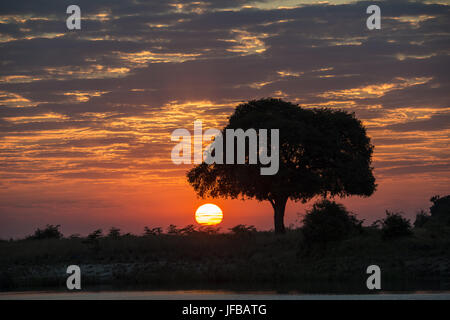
436 122
98 104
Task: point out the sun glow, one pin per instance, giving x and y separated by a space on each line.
208 214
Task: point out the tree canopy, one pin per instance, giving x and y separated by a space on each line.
322 152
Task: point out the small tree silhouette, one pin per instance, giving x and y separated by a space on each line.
92 240
394 225
243 229
188 230
210 230
114 233
49 232
95 235
153 231
172 230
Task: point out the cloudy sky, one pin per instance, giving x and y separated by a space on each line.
86 115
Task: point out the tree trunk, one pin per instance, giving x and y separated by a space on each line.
279 205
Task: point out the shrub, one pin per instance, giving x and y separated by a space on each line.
189 229
421 219
114 233
243 229
153 231
172 230
395 226
94 236
50 232
329 221
208 230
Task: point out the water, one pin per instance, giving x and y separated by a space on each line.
215 295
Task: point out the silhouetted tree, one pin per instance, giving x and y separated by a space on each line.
172 230
329 221
188 230
114 233
243 229
153 231
93 240
208 230
440 210
50 232
394 225
95 235
322 152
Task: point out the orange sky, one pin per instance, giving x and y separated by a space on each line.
86 116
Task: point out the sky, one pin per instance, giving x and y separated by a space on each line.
86 115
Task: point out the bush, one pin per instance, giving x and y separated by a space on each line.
153 231
50 232
114 233
329 221
188 230
208 230
94 236
395 226
173 230
421 219
243 229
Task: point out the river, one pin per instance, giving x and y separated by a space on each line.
215 295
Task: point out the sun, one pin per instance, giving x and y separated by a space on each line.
208 215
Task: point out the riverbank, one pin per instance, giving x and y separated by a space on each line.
257 259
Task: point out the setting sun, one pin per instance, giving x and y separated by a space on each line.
208 214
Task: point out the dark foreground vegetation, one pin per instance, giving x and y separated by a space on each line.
332 246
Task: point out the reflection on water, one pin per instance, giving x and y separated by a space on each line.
215 295
304 290
305 287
